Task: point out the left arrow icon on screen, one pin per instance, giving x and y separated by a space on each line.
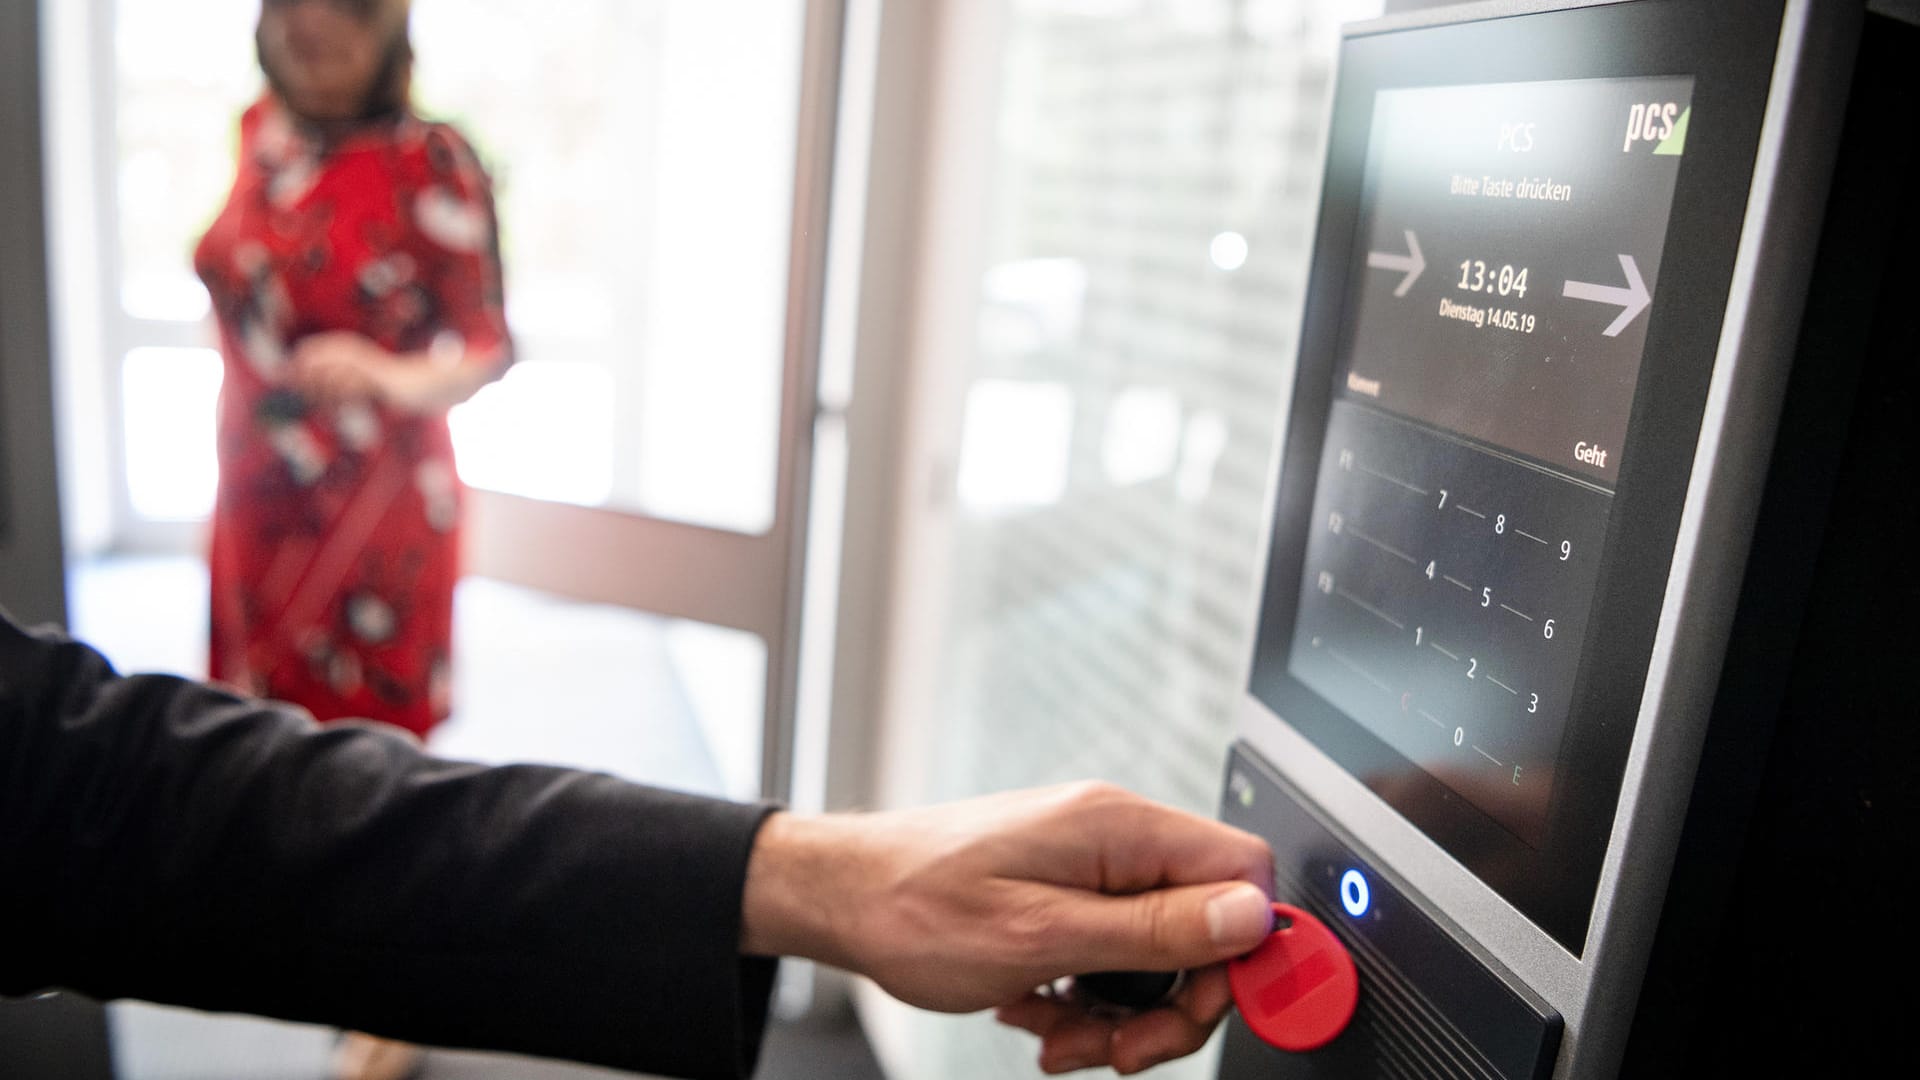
1409 264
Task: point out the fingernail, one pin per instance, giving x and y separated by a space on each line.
1239 917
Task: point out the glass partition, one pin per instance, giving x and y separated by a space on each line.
1155 179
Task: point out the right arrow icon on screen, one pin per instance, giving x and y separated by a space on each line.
1409 264
1632 300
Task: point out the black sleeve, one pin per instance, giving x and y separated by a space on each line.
164 840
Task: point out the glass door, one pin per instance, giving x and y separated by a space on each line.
652 447
661 171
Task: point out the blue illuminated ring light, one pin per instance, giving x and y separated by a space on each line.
1355 895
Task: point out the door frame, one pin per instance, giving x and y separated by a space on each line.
32 564
58 1035
748 582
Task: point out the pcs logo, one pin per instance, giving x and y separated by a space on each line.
1651 121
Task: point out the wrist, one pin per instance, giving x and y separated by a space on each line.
804 889
433 381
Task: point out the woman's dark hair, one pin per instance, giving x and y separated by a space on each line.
391 90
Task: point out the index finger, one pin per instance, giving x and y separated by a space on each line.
1148 845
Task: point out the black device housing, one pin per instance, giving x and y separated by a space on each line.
1780 915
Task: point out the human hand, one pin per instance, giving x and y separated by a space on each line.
974 904
339 366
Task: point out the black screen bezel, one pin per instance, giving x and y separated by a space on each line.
1730 57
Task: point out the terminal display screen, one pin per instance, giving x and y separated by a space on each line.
1509 245
1526 249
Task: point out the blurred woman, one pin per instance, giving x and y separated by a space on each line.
356 279
355 275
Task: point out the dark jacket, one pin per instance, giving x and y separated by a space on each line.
165 840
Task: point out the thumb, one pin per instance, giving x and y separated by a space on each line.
1164 929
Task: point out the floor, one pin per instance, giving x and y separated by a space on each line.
538 679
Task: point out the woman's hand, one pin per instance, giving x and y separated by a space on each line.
340 366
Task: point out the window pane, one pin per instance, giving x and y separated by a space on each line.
724 675
168 398
544 678
185 72
544 431
643 161
1016 442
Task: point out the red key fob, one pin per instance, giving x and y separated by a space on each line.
1296 990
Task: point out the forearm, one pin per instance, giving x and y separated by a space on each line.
433 381
166 841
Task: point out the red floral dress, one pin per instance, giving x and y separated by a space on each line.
335 541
